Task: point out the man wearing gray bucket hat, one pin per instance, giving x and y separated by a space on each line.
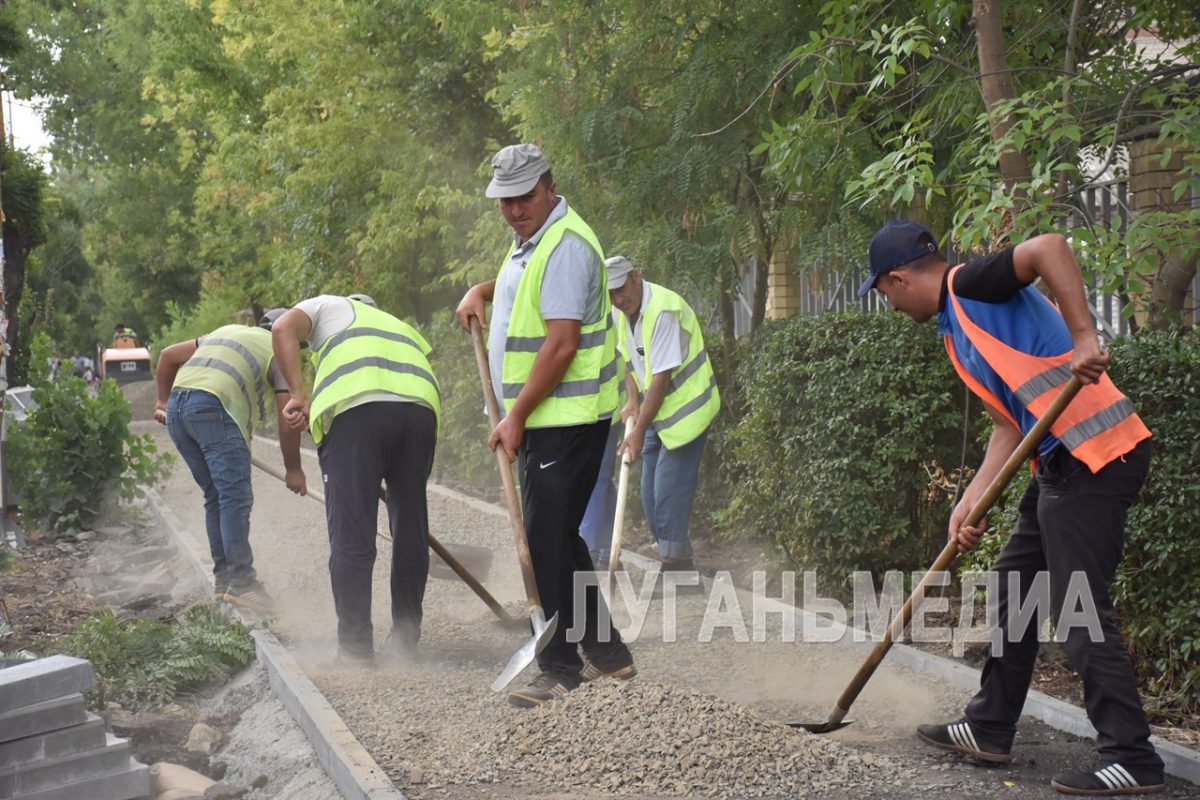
552 355
673 399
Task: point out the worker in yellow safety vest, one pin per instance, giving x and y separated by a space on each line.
212 392
674 399
373 414
552 354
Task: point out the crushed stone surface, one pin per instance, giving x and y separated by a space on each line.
700 720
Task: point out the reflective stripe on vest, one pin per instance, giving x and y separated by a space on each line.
231 364
1100 424
375 353
588 389
692 400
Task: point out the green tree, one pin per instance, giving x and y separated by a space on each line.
22 186
993 132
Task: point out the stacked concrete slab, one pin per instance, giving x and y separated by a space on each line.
51 748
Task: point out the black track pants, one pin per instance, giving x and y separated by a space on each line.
392 444
1071 522
558 468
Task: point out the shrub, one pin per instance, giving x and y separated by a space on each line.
1155 591
142 664
841 414
74 449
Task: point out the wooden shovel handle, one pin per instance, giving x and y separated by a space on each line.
506 477
1019 456
614 557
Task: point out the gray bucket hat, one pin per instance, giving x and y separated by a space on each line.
618 268
517 169
365 299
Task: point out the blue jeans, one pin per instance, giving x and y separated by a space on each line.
669 480
597 526
215 451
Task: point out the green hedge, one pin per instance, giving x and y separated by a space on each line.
840 413
1156 590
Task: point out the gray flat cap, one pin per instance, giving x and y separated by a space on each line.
517 169
618 268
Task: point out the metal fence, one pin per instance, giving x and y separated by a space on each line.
824 289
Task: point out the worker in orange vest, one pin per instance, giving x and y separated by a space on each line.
1016 349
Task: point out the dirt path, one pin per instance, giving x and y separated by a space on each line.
697 722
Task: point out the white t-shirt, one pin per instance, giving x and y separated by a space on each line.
668 341
329 315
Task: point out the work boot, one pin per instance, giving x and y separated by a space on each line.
1109 779
544 688
622 671
959 737
220 587
398 651
252 596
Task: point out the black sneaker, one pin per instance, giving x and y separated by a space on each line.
253 597
959 738
622 672
544 688
220 587
1109 779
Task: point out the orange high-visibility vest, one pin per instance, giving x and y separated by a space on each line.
1099 425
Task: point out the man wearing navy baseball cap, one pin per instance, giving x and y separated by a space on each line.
897 243
1016 350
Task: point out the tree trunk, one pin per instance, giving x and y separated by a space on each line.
15 257
1171 287
996 84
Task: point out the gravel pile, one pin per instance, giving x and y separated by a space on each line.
639 737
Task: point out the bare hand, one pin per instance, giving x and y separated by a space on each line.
472 305
507 436
631 448
295 413
629 410
967 536
160 414
1089 360
296 481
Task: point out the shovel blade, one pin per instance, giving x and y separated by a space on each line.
542 633
821 727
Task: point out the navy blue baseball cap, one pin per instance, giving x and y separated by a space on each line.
894 245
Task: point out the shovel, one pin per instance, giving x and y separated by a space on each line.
543 630
1025 449
437 547
614 555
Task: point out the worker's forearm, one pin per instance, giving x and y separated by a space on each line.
1003 442
549 367
487 290
164 380
653 401
169 361
287 356
289 445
